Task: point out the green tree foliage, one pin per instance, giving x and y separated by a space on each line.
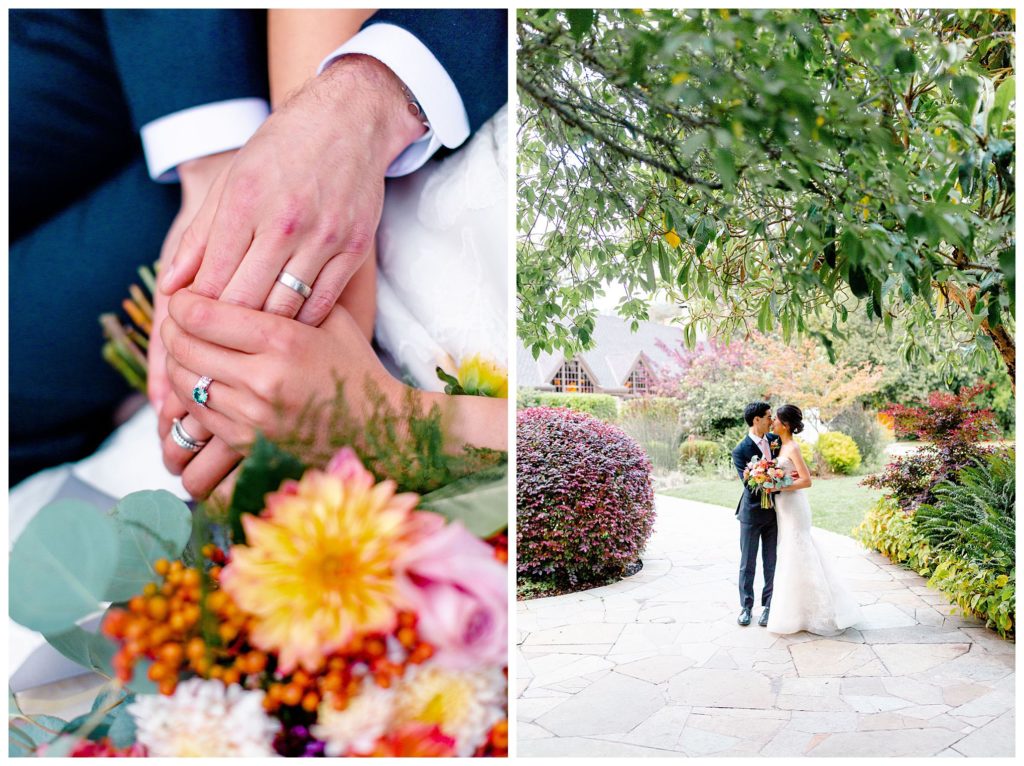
770 168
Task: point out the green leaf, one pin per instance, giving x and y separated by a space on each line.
965 89
1005 94
693 144
703 235
122 727
150 526
906 61
580 21
62 566
764 317
916 226
859 282
37 730
725 163
263 471
452 385
93 651
876 297
994 316
664 264
479 501
1008 266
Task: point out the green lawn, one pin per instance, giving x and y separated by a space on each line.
837 505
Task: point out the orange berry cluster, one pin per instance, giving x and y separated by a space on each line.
163 624
497 741
335 679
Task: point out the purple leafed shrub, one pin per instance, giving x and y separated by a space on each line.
584 497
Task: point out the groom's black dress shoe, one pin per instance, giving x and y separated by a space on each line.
763 619
744 618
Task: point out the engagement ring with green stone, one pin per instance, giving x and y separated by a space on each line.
201 392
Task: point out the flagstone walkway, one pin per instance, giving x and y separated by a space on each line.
655 665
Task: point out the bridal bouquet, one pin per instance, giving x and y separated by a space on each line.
761 474
337 617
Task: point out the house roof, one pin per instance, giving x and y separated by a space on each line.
614 355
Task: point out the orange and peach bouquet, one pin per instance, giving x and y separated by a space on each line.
762 474
348 623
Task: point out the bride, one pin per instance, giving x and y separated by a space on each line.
809 595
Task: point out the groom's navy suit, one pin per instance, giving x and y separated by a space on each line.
84 214
757 525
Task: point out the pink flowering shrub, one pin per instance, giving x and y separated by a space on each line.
952 427
584 497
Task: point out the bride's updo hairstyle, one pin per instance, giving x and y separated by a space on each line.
793 418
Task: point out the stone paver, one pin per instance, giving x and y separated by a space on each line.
656 665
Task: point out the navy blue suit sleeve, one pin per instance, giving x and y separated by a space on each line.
171 60
471 45
739 459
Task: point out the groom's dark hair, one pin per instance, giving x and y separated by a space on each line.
755 410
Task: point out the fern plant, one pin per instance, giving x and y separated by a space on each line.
973 519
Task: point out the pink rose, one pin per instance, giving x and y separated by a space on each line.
452 580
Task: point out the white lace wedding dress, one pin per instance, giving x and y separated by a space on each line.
808 593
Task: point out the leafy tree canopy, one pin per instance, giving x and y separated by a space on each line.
767 169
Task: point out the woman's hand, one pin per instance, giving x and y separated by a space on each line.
266 369
199 178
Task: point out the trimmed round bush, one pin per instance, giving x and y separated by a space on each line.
839 452
584 497
698 452
604 406
863 427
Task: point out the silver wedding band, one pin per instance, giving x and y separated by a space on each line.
182 439
296 284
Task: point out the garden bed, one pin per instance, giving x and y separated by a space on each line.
527 589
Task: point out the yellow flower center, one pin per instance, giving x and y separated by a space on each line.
437 698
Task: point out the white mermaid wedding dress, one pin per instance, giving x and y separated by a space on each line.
808 595
442 296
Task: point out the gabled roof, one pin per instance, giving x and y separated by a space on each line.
615 354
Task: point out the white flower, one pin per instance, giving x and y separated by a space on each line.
356 729
204 718
464 704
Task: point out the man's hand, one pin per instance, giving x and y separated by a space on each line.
198 178
303 196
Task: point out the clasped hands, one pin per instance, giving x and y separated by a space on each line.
304 195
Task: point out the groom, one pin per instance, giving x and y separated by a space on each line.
756 523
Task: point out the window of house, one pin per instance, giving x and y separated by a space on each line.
571 378
639 381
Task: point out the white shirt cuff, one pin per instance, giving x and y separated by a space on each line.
414 64
199 131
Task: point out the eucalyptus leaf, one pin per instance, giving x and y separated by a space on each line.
479 501
62 565
38 729
122 731
151 525
93 651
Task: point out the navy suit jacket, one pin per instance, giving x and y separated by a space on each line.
749 510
